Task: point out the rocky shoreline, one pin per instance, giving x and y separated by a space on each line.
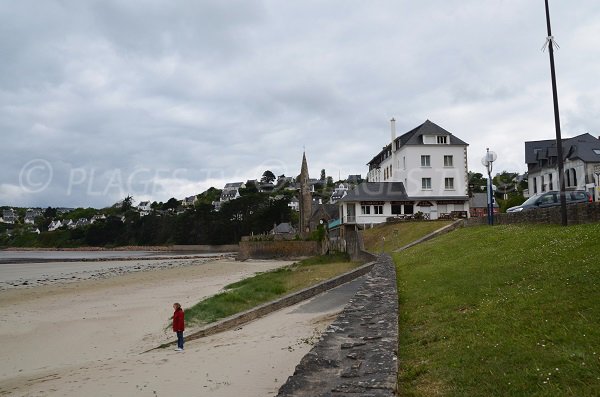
143 264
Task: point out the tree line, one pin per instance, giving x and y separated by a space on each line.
252 213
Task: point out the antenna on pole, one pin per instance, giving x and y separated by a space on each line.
550 43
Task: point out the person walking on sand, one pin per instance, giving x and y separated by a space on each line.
178 325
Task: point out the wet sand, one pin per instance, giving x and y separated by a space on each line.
86 337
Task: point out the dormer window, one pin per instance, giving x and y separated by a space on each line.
442 139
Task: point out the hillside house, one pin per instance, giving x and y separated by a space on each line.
144 208
581 156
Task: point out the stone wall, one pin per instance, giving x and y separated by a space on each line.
357 356
354 244
277 249
576 214
278 304
206 248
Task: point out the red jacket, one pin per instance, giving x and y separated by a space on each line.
178 323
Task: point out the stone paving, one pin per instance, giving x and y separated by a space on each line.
357 356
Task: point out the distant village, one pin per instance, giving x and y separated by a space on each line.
421 174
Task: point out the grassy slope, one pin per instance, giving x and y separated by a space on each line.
503 311
268 286
397 235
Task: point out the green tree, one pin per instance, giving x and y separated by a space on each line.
323 176
267 177
477 182
127 203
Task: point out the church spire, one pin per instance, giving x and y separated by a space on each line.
305 199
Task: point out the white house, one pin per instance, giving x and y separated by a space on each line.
431 164
338 193
581 156
144 208
54 225
189 201
9 216
294 204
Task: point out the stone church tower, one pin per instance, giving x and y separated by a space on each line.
305 200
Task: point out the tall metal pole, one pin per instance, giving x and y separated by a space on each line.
559 148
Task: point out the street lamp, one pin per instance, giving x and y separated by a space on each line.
488 162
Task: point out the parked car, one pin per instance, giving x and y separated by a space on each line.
552 199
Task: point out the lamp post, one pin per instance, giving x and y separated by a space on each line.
488 162
559 149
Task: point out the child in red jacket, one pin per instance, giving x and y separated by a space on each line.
178 325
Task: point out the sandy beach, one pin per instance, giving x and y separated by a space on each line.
87 337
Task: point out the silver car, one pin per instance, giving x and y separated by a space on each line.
552 199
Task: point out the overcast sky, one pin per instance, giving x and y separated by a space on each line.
100 99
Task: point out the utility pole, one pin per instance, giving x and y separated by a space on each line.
559 149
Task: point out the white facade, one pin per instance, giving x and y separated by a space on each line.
444 165
432 165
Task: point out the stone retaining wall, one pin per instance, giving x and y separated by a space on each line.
357 356
288 300
576 214
207 248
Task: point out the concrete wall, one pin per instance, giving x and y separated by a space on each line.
357 355
277 249
576 214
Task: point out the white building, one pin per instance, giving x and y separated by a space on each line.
144 208
581 164
54 225
431 165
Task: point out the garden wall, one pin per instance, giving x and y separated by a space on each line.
576 214
278 249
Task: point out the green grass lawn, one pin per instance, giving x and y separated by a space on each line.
397 235
501 311
268 286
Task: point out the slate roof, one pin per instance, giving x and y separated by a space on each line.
376 191
233 185
415 137
479 200
283 228
579 147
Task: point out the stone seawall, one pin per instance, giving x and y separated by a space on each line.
357 356
207 248
576 214
286 301
277 249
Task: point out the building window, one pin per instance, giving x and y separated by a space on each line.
378 209
365 209
408 209
573 177
550 184
542 183
391 172
448 161
426 161
534 185
442 139
396 209
426 183
449 183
